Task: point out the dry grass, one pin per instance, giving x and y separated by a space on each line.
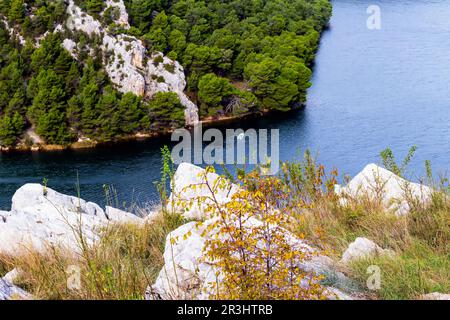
120 266
129 257
420 239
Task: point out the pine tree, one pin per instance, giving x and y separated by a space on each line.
16 12
130 113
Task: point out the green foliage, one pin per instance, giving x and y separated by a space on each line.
16 12
239 57
213 90
279 84
10 128
166 110
416 271
238 40
388 159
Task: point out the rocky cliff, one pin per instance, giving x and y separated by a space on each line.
128 63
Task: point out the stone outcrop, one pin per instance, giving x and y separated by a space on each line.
435 296
191 182
8 291
379 184
41 217
186 274
118 5
12 32
128 64
363 248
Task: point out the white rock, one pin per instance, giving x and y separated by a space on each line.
380 184
125 63
70 46
123 14
12 276
39 220
8 291
12 32
190 183
435 296
118 215
362 248
187 274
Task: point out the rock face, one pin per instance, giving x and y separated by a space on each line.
9 291
127 62
362 248
185 178
40 217
377 183
186 274
12 276
118 5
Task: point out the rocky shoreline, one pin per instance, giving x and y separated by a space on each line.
41 218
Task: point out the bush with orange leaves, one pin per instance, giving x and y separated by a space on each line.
255 257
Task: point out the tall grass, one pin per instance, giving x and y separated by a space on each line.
120 266
128 257
420 238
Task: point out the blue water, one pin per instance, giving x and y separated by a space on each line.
372 89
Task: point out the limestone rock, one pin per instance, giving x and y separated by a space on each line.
41 217
185 178
122 19
391 190
187 274
118 215
128 64
12 276
362 248
8 291
70 46
435 296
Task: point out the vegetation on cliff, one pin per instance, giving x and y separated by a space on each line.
239 56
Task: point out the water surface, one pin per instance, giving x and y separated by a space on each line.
371 89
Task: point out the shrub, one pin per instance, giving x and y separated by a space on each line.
254 256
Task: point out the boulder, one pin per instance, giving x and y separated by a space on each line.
379 184
187 273
119 5
12 276
435 296
362 248
189 183
117 215
40 217
8 291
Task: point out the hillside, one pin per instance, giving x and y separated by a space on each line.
92 70
297 235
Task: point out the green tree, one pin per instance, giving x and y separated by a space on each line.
167 110
16 12
10 129
212 91
278 85
94 7
130 113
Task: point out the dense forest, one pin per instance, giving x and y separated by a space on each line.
239 56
